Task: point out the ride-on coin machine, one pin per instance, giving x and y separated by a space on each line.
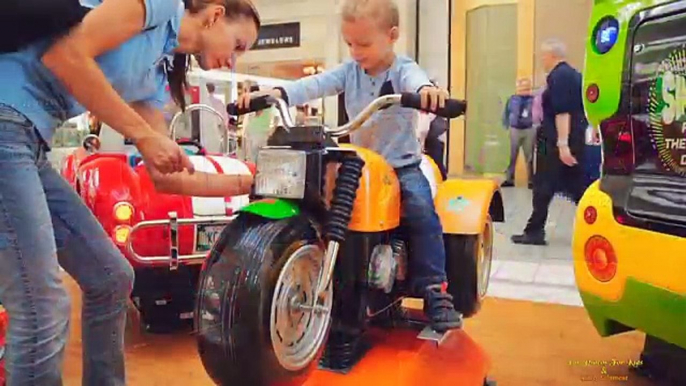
630 231
408 354
308 286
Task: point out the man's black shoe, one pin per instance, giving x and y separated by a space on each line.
507 184
530 239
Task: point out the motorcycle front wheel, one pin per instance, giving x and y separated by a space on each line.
257 317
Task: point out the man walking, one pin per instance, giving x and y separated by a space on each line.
518 118
561 141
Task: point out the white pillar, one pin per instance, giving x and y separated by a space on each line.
331 60
408 27
434 27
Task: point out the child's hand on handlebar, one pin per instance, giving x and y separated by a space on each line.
243 101
433 98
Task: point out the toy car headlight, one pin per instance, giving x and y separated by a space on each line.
281 173
123 211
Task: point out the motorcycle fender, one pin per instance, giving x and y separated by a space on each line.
464 204
272 208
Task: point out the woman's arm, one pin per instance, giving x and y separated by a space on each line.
198 184
72 60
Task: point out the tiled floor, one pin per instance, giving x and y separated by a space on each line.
536 273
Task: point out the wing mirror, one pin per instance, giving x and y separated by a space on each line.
91 143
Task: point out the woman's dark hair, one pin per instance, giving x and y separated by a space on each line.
177 69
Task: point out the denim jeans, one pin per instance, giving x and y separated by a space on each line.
44 224
423 229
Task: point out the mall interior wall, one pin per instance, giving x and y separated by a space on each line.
532 22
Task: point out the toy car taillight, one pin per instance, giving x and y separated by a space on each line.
592 93
601 258
123 211
618 152
121 234
590 215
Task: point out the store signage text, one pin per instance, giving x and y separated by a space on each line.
284 35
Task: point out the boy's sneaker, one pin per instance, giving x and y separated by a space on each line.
439 308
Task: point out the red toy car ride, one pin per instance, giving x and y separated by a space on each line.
164 236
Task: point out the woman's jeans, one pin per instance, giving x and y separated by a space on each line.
44 224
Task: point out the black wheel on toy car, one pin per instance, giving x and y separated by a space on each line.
468 266
253 313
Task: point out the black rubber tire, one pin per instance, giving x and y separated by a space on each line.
461 268
244 265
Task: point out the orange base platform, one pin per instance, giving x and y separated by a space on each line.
399 358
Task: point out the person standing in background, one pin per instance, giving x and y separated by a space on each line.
434 144
256 127
217 103
518 119
561 141
431 132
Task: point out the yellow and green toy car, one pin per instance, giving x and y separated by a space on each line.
630 230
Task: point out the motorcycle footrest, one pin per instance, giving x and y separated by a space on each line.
429 334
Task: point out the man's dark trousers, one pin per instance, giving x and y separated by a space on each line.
553 176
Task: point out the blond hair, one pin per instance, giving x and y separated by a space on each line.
384 11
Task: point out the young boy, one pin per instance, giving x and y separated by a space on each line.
370 29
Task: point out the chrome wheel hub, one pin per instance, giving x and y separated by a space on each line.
299 320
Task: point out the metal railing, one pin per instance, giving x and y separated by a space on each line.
172 224
229 139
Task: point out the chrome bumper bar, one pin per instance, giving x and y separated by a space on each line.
172 225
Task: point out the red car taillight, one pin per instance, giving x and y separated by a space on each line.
592 93
601 258
590 215
618 146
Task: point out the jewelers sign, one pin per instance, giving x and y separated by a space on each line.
285 35
668 111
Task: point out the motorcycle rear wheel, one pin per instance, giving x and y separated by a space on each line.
468 266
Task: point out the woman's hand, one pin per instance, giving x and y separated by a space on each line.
433 98
162 154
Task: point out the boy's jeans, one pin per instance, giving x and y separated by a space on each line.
423 227
42 223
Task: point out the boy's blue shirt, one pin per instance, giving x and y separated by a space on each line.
134 69
390 132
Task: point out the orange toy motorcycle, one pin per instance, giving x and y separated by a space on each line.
304 276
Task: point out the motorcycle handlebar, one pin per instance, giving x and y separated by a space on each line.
256 104
453 108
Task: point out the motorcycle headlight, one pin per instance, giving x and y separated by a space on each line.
281 173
